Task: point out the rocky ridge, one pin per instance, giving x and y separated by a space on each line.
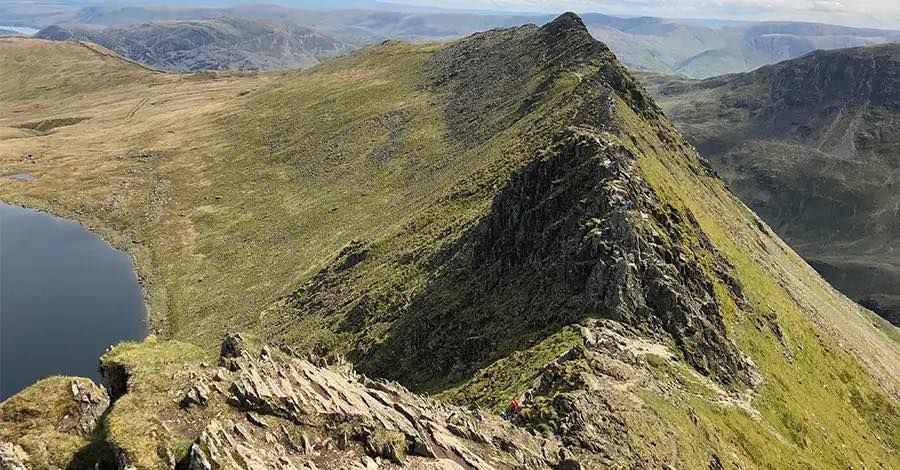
268 409
281 395
573 233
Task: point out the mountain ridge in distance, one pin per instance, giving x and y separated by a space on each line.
643 43
214 44
809 144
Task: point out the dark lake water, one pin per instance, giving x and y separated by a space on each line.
65 295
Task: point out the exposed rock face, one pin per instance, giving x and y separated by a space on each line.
288 412
197 395
12 457
606 254
224 445
232 347
867 73
52 424
278 411
115 379
578 234
90 403
584 396
486 72
80 405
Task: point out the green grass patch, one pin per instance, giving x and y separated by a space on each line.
138 422
496 385
808 419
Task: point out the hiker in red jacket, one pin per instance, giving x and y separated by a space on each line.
514 407
511 411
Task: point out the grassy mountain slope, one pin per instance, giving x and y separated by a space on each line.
219 44
811 145
508 215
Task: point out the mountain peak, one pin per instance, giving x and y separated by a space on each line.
566 23
54 33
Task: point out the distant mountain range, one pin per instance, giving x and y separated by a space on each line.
813 146
217 44
698 50
684 47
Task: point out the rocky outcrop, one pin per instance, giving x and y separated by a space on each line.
231 349
12 457
617 252
575 234
586 396
75 405
286 412
90 402
115 379
52 424
269 410
490 75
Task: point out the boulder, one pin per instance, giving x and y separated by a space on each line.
231 349
12 457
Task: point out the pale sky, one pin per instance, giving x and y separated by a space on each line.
875 13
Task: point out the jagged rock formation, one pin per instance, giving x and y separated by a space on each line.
217 44
603 255
270 409
606 255
286 411
585 395
810 144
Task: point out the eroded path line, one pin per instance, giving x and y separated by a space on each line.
136 108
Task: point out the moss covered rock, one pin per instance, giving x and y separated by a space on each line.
56 422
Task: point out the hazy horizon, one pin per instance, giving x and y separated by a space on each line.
882 14
860 13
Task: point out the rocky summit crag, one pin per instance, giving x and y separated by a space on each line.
504 217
